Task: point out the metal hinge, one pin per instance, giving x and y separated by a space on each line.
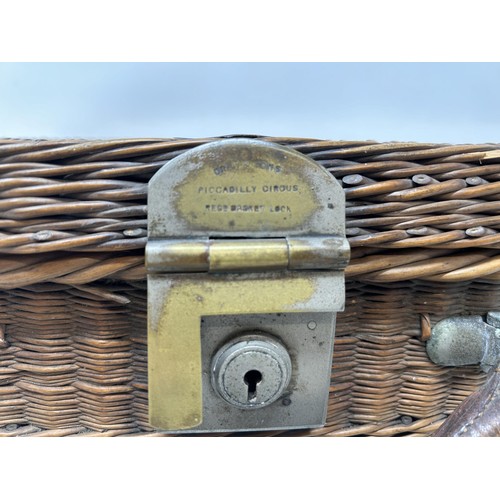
246 255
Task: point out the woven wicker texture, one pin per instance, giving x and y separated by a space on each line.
414 211
73 362
422 221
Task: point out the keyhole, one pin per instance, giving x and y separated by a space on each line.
252 378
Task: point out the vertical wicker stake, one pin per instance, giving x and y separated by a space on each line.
3 340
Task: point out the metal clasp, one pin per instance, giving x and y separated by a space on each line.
466 340
245 258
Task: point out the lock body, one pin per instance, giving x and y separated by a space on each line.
245 263
251 371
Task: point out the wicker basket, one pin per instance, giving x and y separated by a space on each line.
423 223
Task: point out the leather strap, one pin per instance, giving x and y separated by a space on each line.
478 415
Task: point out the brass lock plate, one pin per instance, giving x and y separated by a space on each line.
241 229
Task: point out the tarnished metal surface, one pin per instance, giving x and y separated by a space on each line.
251 371
236 209
245 188
246 255
465 340
178 304
308 339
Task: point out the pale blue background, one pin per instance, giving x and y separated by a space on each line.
456 103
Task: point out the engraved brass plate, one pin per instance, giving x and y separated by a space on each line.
245 187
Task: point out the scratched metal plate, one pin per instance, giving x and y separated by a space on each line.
246 189
243 187
178 303
304 402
